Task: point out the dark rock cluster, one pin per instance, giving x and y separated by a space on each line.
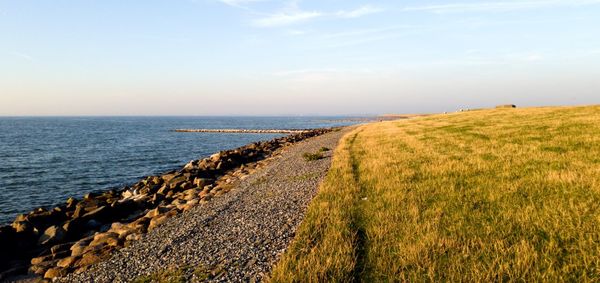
73 236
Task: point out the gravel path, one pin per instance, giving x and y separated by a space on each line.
235 237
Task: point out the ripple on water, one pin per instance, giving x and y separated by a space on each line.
45 160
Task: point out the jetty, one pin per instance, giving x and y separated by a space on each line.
243 131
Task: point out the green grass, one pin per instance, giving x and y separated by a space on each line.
486 195
165 276
312 156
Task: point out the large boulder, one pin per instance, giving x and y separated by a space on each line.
55 272
177 181
79 247
52 235
67 262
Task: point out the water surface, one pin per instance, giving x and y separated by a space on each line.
44 160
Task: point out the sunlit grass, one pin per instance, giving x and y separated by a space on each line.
489 195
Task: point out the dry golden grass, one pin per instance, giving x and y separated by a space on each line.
488 195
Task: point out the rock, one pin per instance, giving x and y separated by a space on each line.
39 269
74 228
124 230
109 238
55 272
157 221
22 227
168 177
21 217
79 247
154 212
92 224
90 196
95 256
100 214
133 237
190 165
122 208
42 219
177 181
186 186
40 259
163 190
141 200
157 198
52 235
215 157
71 202
160 219
78 212
127 194
190 204
116 227
67 261
201 182
56 249
205 191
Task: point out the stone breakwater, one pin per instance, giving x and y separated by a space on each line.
241 131
73 236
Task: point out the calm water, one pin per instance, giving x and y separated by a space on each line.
45 160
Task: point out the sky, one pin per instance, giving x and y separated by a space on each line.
273 57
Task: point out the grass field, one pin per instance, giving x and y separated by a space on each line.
489 195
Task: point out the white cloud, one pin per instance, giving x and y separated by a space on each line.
359 12
297 32
498 6
293 14
239 3
24 56
286 18
297 16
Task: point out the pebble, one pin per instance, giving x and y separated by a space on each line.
237 236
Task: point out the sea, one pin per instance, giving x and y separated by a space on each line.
45 160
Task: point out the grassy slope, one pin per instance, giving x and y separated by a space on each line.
503 195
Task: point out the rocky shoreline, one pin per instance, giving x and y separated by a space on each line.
242 131
71 237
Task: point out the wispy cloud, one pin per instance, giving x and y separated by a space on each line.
287 18
505 6
359 12
23 56
292 14
365 36
239 3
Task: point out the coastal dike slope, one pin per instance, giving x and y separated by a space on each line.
237 236
497 195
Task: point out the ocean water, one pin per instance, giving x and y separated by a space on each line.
44 160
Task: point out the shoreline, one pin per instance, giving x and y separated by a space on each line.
242 131
72 236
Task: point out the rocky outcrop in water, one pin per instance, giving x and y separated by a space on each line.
73 236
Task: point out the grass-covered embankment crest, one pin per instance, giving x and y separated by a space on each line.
489 195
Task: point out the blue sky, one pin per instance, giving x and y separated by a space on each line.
268 57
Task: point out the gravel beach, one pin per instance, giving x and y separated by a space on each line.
235 237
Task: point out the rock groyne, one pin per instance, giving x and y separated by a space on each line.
242 131
79 233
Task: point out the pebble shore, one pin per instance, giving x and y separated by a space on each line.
237 236
53 242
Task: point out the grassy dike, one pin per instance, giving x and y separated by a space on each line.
488 195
